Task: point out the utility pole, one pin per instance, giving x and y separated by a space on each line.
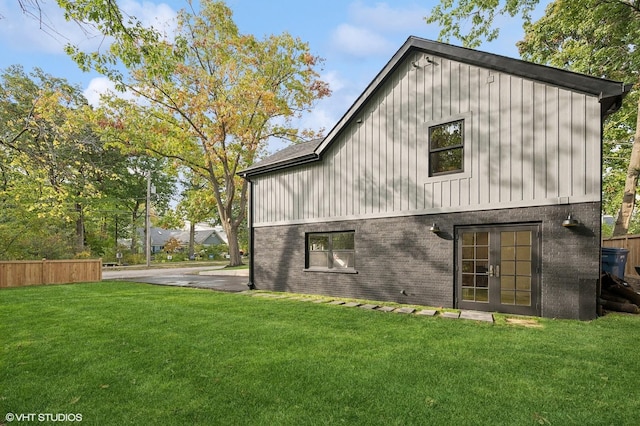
148 220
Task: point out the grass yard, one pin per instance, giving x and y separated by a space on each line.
136 354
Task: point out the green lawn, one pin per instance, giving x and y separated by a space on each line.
136 354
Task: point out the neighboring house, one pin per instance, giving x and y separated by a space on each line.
459 179
159 238
203 236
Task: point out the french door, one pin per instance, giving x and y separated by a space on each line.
498 269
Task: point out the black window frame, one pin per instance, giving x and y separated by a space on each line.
447 148
332 264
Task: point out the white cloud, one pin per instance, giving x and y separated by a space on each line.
371 30
320 118
100 86
335 81
97 87
159 16
45 30
359 41
387 18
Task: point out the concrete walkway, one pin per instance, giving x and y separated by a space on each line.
465 315
227 272
207 277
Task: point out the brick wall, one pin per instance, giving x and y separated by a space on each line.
398 259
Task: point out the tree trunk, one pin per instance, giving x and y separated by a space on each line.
192 238
134 233
79 229
629 197
134 228
235 259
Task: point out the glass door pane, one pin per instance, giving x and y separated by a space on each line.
475 267
516 268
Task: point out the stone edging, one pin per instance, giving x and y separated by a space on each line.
470 315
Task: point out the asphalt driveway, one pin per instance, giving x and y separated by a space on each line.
197 277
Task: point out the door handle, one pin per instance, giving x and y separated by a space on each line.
498 271
491 270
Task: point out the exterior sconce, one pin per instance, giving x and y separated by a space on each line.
434 228
570 222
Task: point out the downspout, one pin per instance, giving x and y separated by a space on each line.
251 283
599 311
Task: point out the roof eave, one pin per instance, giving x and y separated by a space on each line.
285 164
612 102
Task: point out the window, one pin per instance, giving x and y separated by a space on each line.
446 148
332 250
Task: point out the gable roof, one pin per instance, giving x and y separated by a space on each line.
609 92
160 236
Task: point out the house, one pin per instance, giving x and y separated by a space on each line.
458 178
206 236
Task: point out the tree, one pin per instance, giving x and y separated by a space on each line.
47 140
197 205
472 21
125 195
598 38
60 181
594 37
212 96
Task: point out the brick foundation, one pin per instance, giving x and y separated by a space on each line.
399 260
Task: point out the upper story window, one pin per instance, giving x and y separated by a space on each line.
446 148
331 250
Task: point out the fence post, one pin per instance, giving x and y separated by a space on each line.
43 280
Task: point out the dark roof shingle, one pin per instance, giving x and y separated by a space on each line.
293 153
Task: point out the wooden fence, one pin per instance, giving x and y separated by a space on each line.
38 272
631 243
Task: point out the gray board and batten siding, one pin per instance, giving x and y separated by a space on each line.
527 143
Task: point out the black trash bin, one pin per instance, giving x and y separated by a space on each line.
614 260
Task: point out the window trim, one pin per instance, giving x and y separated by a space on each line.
466 118
330 269
456 147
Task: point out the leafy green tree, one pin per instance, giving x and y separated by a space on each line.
47 141
593 37
59 180
599 38
212 96
472 21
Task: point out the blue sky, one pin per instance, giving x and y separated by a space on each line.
355 38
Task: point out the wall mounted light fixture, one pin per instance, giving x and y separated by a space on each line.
434 228
570 222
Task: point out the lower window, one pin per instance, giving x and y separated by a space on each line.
331 250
